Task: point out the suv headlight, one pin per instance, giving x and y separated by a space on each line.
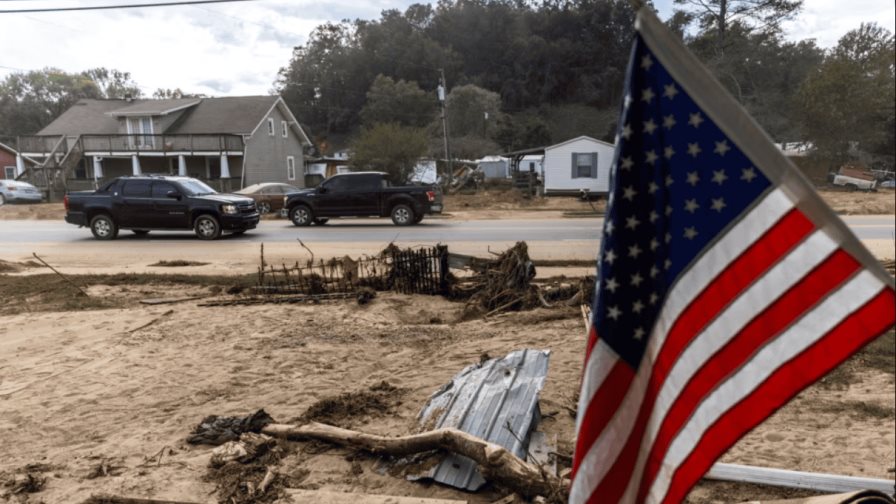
230 209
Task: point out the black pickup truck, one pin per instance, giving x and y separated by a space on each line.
362 194
142 203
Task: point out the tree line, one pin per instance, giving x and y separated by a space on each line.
524 74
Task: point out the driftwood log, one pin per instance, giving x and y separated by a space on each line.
496 463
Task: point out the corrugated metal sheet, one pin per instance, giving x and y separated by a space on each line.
497 401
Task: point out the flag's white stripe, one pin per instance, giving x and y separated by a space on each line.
783 276
598 460
812 327
601 360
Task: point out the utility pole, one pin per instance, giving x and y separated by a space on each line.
443 91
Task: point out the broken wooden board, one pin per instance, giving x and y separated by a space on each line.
159 301
328 497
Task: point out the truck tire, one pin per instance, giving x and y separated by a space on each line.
103 227
207 227
301 215
402 215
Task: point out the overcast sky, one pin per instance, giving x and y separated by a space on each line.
237 48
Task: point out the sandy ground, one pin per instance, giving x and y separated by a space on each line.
80 390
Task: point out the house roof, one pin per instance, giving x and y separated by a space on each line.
155 107
231 114
239 115
86 117
582 137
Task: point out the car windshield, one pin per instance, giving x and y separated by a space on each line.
194 187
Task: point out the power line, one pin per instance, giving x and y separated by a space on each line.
119 6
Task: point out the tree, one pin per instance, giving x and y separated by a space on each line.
522 132
113 84
389 147
399 102
849 100
718 16
31 100
176 93
470 108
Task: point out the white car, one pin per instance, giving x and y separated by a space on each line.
14 191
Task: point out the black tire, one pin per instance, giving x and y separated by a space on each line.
207 227
264 207
301 215
322 221
403 215
140 232
103 227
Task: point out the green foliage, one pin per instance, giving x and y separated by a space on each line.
719 16
176 93
389 147
399 102
847 104
524 132
467 108
31 100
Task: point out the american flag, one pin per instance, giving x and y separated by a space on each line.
725 285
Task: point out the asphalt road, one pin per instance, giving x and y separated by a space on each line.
382 231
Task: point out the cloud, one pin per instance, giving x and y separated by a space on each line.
828 20
220 85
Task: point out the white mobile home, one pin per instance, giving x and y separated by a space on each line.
532 163
576 166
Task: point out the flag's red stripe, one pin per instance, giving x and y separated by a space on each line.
767 325
603 406
592 341
849 336
742 272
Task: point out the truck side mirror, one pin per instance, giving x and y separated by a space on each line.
173 194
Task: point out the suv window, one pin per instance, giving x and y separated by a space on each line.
160 189
136 188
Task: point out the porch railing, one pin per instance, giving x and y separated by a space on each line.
43 145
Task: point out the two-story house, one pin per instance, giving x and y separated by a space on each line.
230 142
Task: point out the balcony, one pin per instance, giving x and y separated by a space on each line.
126 145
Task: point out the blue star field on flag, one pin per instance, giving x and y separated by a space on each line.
677 183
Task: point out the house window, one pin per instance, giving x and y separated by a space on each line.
9 172
284 128
584 165
141 129
270 126
290 168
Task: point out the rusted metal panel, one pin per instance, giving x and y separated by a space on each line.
496 400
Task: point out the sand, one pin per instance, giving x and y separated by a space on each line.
82 389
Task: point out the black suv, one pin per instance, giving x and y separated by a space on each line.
143 203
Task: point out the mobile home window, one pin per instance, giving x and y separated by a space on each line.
290 168
284 129
270 126
584 165
10 172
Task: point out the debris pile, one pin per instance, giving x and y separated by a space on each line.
502 284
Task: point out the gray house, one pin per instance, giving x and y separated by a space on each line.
229 142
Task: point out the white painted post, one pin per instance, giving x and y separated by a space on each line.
135 165
20 165
181 166
97 168
225 167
